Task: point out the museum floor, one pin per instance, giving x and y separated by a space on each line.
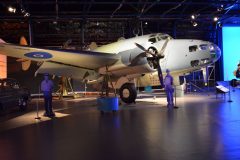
203 128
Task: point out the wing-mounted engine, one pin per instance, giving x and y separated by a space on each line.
132 62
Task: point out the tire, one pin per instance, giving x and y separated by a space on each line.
128 93
23 102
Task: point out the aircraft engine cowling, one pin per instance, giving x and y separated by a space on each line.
127 65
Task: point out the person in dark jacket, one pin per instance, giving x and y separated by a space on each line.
46 88
168 82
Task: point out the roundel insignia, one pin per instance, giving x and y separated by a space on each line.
38 55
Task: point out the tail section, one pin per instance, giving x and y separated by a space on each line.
25 62
23 41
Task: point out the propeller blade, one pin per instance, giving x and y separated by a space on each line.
160 54
160 76
67 43
143 49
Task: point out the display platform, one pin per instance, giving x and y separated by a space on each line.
202 128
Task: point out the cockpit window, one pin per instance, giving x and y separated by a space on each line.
164 37
153 40
203 46
193 48
158 38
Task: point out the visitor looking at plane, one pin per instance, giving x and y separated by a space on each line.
168 82
46 88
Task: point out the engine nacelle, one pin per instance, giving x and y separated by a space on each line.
121 68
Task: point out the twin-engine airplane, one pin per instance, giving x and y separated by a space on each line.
124 61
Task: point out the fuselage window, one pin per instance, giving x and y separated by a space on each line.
193 48
164 37
153 40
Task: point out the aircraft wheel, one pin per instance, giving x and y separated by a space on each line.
128 93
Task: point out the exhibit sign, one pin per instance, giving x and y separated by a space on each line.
231 50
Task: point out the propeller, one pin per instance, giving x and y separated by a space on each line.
155 58
67 43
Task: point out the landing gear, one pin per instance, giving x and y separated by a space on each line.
128 93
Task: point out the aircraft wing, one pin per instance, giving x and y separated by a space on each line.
67 71
82 59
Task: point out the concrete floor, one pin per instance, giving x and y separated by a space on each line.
202 128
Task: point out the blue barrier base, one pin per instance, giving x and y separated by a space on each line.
107 103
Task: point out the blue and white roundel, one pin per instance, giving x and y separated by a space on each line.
38 55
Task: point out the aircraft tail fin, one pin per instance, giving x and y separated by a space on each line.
23 41
25 63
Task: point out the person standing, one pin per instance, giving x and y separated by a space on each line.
46 88
168 82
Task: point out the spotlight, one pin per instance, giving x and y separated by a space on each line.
146 23
219 24
215 19
11 9
195 24
26 14
221 8
193 16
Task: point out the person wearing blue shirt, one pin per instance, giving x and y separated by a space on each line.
46 88
168 82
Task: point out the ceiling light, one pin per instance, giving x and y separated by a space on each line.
215 19
146 23
26 14
193 16
11 9
195 24
221 8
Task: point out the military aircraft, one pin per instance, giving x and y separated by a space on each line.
123 61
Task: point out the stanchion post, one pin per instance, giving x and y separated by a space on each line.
175 97
37 107
229 93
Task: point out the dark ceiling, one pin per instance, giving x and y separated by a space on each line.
118 9
55 21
